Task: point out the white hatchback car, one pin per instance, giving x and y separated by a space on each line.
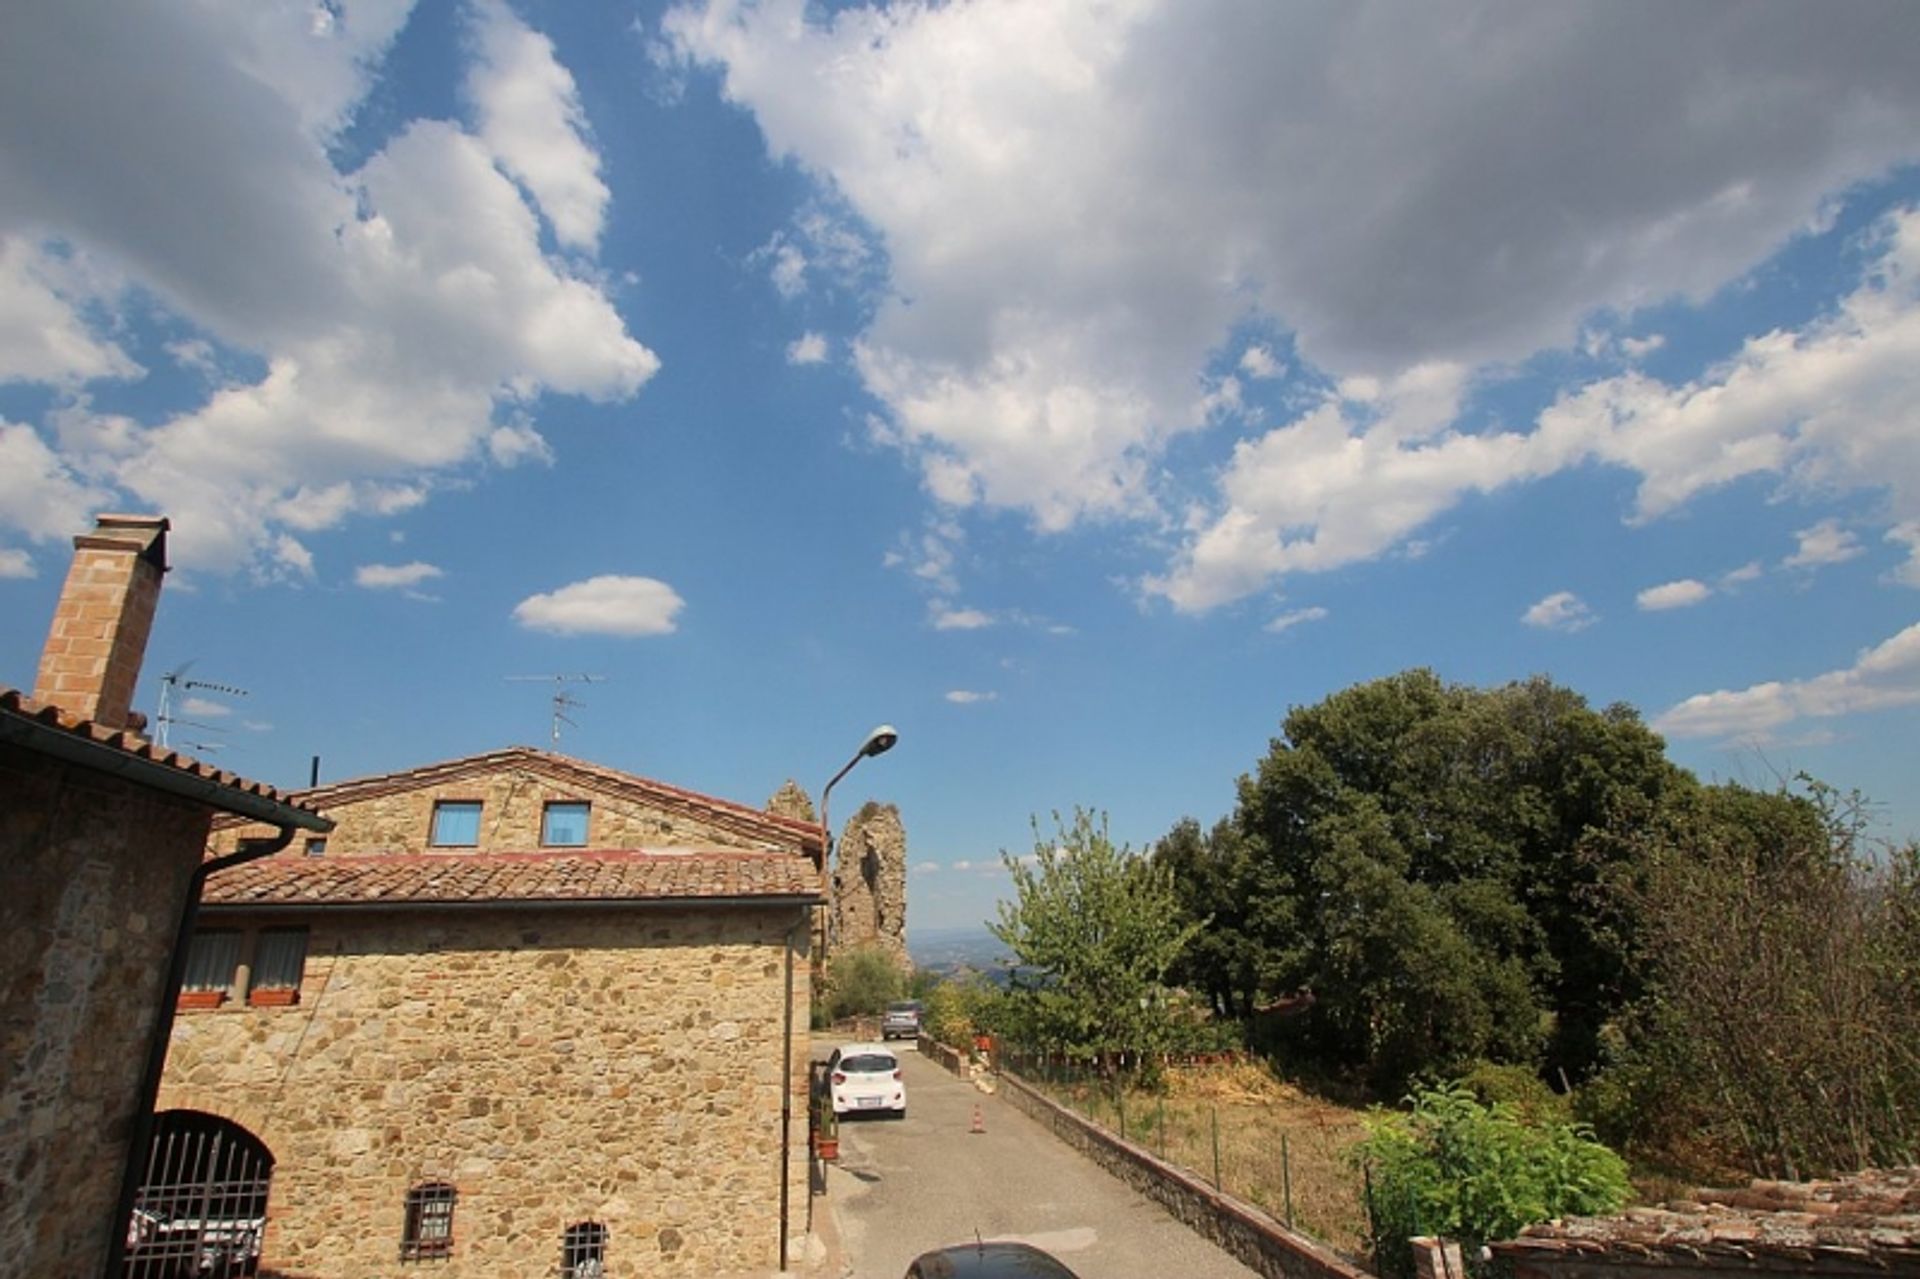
866 1078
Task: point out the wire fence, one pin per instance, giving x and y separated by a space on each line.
1301 1174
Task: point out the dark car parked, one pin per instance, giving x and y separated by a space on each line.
987 1261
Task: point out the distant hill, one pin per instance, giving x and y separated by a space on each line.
947 950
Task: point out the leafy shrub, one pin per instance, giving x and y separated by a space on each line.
1462 1170
1519 1087
860 982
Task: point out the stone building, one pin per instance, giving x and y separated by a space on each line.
101 843
517 1015
869 884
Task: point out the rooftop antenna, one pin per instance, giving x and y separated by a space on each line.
562 700
174 684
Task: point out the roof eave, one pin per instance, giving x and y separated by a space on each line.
86 752
766 901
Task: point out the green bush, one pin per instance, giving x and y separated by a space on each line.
1462 1170
860 982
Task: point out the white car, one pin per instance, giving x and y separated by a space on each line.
863 1078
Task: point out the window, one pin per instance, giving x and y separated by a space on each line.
564 825
211 960
456 823
429 1232
316 847
583 1251
279 961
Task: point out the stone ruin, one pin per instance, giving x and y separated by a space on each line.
869 891
867 883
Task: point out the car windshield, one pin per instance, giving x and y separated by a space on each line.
894 1009
868 1064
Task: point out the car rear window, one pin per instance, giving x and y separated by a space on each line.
868 1064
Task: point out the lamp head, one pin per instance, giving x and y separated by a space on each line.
880 740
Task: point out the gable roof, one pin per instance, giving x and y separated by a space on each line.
737 819
1866 1223
47 730
613 877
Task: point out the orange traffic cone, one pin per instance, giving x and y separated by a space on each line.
979 1120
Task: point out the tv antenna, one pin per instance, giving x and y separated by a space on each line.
174 684
563 701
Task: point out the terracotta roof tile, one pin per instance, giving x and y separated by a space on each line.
766 826
1871 1217
468 878
128 742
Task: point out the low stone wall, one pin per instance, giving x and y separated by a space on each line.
1253 1238
952 1059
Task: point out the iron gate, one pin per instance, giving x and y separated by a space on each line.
202 1202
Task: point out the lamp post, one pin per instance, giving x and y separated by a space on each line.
878 742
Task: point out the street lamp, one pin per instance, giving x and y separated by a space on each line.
878 742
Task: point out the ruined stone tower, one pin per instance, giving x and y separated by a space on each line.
869 888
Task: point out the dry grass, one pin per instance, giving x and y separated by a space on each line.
1278 1147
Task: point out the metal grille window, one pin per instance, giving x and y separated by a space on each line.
279 960
583 1253
211 959
564 825
202 1203
456 823
429 1233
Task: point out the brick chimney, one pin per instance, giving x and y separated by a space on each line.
100 626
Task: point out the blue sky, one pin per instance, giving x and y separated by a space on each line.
1075 386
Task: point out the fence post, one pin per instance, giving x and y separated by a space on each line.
1286 1177
1120 1105
1215 1112
1160 1123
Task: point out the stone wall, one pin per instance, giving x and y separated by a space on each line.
869 891
556 1066
94 874
512 799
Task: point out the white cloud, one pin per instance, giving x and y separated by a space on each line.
388 577
1825 543
1681 594
967 697
518 443
808 348
1833 407
16 563
1287 621
1258 362
44 337
532 122
394 308
1885 676
1560 611
926 868
1350 480
39 493
1907 535
1637 348
1748 572
1049 312
948 618
607 605
204 708
290 556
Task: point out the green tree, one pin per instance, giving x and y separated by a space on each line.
860 981
1424 857
1094 929
1780 1030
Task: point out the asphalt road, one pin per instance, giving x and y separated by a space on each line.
902 1187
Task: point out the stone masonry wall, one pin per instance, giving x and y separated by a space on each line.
614 1066
512 799
94 874
869 897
